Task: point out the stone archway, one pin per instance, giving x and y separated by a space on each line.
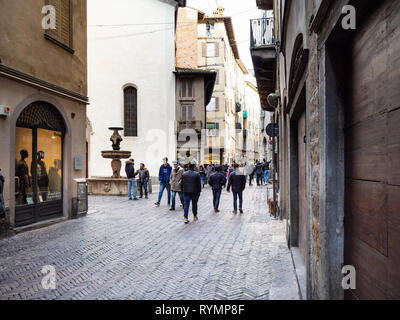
65 205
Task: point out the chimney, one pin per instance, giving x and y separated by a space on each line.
220 12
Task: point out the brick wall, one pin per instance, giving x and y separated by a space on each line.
186 38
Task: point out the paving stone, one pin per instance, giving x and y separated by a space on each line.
134 250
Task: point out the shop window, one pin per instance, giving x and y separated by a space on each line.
38 163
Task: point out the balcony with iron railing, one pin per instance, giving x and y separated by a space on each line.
262 32
264 55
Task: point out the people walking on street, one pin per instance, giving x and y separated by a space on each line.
176 184
191 187
266 171
163 176
259 173
203 176
144 177
131 174
251 173
217 181
238 184
209 170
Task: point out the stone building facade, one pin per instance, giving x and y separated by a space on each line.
217 51
194 89
43 88
338 143
131 65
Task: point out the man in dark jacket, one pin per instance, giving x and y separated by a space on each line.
131 174
238 183
144 177
163 176
191 188
217 181
259 173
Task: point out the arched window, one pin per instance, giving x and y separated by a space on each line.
130 112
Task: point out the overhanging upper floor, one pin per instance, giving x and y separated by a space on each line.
264 56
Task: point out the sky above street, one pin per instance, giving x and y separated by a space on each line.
241 12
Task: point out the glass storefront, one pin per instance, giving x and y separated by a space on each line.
46 167
38 164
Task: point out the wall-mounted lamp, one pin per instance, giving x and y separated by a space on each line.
273 100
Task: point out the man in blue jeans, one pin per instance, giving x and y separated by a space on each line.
131 174
217 181
238 183
191 187
164 176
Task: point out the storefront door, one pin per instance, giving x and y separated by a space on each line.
38 165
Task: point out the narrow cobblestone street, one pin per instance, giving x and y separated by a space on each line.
133 250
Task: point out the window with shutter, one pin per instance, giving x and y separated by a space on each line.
187 113
186 88
130 112
212 49
62 35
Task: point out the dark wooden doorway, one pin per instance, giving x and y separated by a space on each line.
372 138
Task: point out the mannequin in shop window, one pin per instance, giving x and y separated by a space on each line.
23 177
42 177
55 179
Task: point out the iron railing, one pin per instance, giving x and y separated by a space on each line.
262 32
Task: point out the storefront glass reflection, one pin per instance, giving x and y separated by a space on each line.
46 167
23 161
49 165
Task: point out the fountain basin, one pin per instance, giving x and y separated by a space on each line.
114 154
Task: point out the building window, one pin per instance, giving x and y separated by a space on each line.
209 28
62 35
186 89
213 106
187 113
130 112
210 49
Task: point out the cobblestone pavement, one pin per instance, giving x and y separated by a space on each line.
133 250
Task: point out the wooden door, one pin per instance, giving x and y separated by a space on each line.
302 187
372 193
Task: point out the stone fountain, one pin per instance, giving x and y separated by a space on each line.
116 154
114 185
